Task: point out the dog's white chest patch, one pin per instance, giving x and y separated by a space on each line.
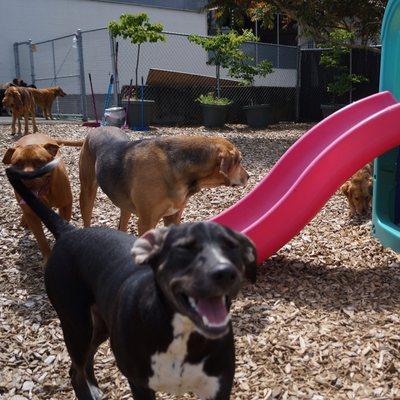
172 375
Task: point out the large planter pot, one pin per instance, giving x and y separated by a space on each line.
258 115
328 109
135 113
214 116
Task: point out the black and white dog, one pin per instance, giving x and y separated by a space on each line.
162 299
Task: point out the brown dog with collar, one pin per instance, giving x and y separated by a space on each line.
153 178
28 154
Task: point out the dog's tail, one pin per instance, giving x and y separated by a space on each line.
66 142
55 224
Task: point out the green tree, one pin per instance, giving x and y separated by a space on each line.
317 18
225 50
138 29
332 59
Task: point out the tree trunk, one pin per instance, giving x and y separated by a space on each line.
137 71
218 82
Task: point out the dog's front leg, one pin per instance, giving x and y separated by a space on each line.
141 393
35 226
173 219
124 220
19 125
26 121
14 120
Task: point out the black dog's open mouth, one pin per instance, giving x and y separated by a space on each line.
210 314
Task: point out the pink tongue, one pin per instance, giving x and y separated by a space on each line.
213 308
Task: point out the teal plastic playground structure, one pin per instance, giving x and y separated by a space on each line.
386 194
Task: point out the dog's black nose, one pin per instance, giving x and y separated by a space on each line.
224 275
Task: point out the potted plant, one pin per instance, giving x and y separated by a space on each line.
332 59
245 69
224 51
138 29
214 109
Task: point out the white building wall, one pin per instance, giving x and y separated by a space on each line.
39 20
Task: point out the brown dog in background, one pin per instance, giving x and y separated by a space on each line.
153 178
358 190
22 103
28 154
44 98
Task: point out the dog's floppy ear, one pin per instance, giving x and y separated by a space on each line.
249 256
17 99
52 148
7 156
227 159
148 245
345 188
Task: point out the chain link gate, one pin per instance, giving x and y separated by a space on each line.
55 62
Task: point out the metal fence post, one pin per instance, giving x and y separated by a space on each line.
31 61
16 61
298 83
114 68
351 73
81 74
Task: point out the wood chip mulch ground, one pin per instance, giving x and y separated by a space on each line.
322 322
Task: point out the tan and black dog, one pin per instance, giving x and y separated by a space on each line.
28 154
153 178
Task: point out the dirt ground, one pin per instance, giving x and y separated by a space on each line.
322 322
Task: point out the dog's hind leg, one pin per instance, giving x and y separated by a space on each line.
141 393
66 212
124 220
99 335
35 128
77 326
87 177
26 127
72 302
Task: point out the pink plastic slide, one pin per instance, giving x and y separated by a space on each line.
312 169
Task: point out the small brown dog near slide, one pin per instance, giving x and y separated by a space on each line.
20 100
153 178
45 97
28 154
358 190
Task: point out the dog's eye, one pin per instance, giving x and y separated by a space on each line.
230 243
187 245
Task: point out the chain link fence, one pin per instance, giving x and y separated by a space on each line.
315 78
174 72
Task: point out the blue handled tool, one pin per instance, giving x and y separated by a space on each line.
107 100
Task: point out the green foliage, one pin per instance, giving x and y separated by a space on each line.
246 71
137 28
332 59
317 17
212 100
225 51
